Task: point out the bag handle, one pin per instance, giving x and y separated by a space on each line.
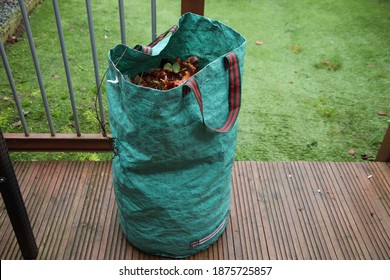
234 96
148 49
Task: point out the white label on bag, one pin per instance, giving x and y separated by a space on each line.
113 81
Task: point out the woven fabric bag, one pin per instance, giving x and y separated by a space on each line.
175 148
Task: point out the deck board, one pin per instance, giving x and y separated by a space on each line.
279 210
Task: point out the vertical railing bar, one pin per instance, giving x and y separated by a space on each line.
66 65
36 64
154 20
122 21
95 59
13 88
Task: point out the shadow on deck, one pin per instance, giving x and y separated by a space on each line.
282 210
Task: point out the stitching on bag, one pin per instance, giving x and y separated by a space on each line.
211 235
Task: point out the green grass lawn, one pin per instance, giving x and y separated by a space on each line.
316 72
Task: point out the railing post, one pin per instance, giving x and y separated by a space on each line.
193 6
16 209
66 66
154 19
36 64
13 88
122 21
384 151
95 63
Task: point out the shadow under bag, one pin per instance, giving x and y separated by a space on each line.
175 148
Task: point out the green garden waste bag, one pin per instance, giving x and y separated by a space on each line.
174 149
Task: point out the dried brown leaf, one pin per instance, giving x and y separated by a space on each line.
16 123
169 75
13 39
365 157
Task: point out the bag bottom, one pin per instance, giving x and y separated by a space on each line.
193 247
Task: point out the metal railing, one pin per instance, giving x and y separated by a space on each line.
53 141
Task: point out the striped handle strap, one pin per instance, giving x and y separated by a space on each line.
234 96
148 49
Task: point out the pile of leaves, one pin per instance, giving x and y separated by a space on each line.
169 75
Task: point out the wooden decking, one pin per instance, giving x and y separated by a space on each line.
292 210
